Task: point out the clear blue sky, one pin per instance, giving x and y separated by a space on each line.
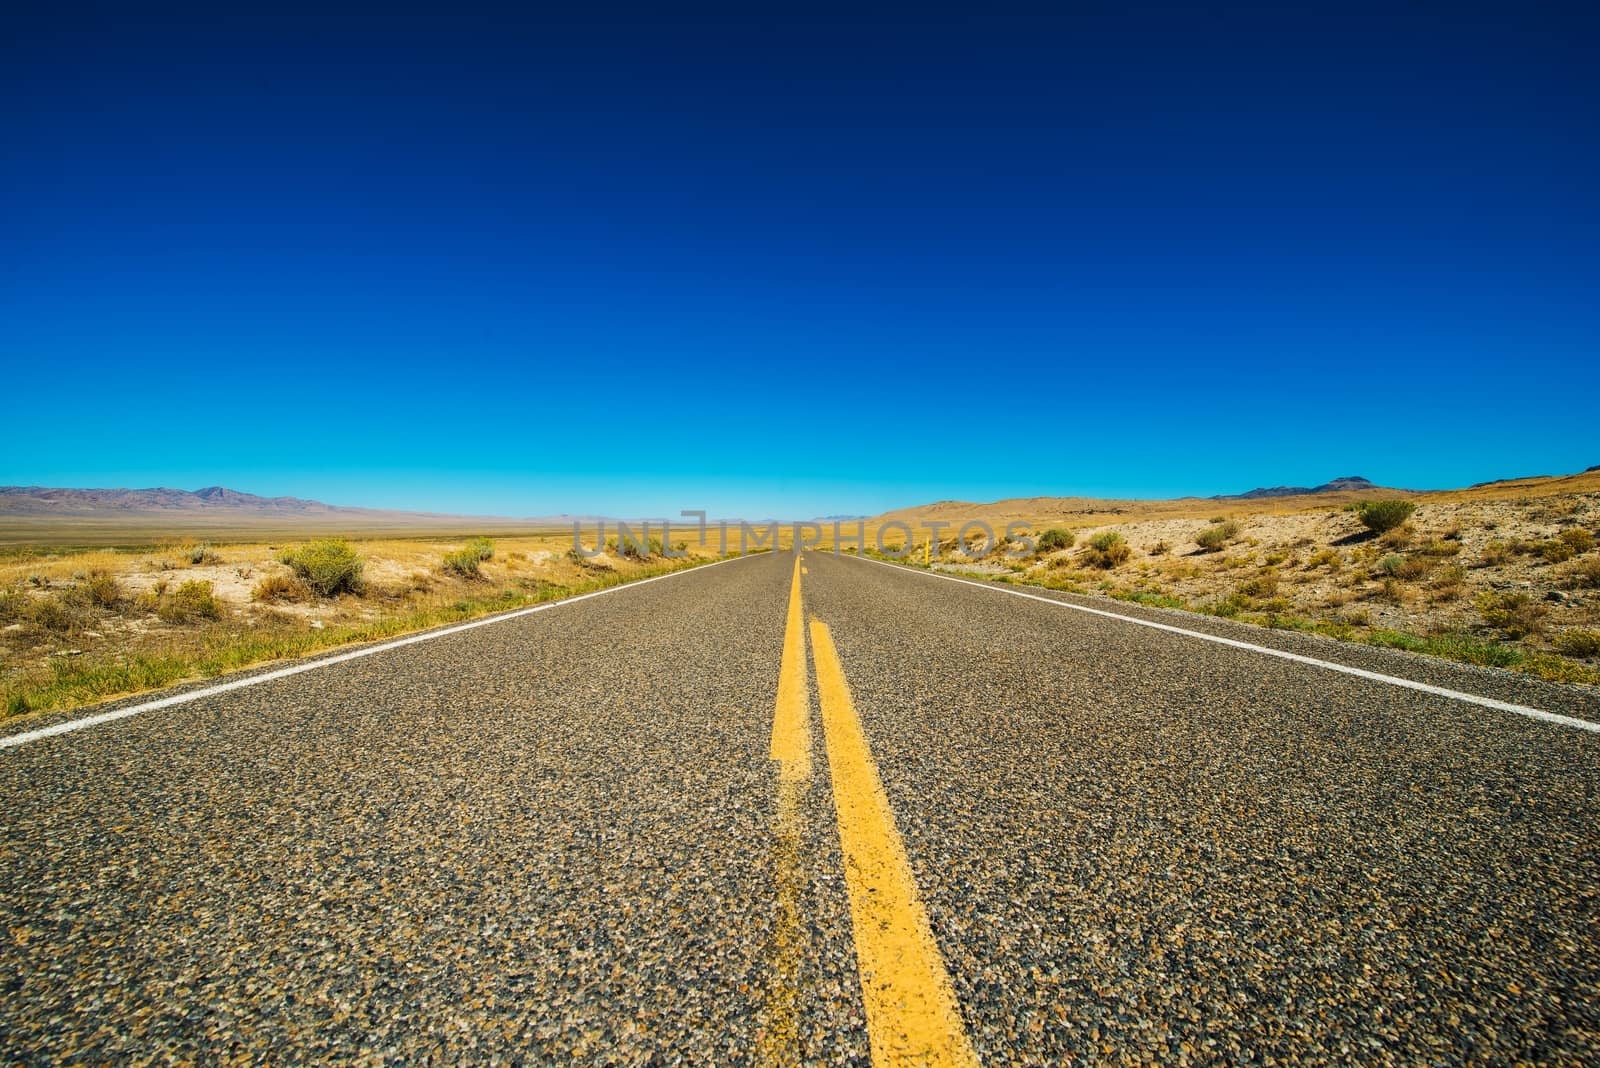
798 265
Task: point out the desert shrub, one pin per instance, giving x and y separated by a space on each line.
1584 573
463 562
1107 549
1516 613
1391 565
279 588
53 613
1263 585
1556 551
200 554
328 567
1160 548
1384 516
1327 558
1579 539
190 601
102 589
1414 567
1105 540
1217 535
1495 554
1446 585
1441 547
1577 642
1392 590
628 548
1055 539
483 548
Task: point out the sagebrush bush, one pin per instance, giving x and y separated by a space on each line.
1556 551
1263 585
463 562
53 612
13 604
1056 539
1107 549
1327 558
1580 540
1217 535
1575 642
1105 540
102 589
190 601
1384 516
1585 573
279 588
632 550
201 554
1516 613
328 567
1495 554
482 547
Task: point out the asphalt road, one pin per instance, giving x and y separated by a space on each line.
970 826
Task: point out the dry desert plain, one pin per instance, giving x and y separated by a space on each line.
1503 574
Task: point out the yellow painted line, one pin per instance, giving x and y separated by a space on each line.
791 730
912 1014
778 1040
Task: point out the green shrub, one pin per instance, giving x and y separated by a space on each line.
1577 642
463 562
200 554
482 547
1495 554
1106 549
192 600
1217 535
1391 565
1384 516
1105 540
1056 539
1327 558
328 566
1516 613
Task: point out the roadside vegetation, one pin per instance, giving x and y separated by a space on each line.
80 626
1511 583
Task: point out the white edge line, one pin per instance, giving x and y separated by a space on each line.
14 740
1392 680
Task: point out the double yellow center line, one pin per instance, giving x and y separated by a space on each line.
912 1014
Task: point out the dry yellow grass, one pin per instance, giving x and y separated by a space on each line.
78 626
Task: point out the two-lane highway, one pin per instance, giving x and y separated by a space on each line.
824 812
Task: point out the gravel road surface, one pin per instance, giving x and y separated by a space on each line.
557 839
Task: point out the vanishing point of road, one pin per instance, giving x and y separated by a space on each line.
813 810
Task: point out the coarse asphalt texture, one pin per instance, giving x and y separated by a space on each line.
554 839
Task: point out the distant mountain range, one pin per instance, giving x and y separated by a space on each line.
1349 482
213 500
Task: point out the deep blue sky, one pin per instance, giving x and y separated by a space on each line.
795 265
